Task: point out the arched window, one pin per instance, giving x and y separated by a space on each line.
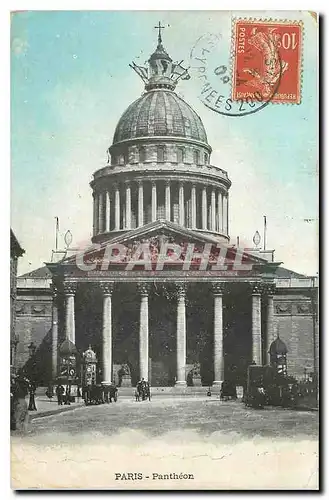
180 155
206 158
161 154
196 156
142 154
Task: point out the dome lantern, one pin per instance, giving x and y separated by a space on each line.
162 72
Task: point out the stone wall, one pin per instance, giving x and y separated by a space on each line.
293 322
33 324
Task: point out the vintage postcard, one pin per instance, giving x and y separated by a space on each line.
164 270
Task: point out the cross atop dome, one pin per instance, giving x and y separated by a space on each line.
159 27
161 72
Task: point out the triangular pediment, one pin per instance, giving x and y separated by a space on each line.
166 245
163 228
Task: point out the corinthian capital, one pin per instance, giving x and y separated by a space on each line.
70 288
269 289
143 289
107 287
257 288
181 290
218 288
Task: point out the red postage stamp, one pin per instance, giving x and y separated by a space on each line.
267 61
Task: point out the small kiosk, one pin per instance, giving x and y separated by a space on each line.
278 356
68 369
89 367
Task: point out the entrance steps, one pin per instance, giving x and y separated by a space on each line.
172 391
157 391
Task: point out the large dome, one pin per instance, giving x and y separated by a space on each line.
159 113
158 166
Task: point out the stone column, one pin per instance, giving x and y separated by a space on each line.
181 204
128 206
225 214
213 210
204 208
167 200
69 293
54 334
95 208
101 212
221 213
97 214
181 336
193 203
256 324
218 290
117 208
144 332
219 203
154 201
270 321
140 204
107 289
107 211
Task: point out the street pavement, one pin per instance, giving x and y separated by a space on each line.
223 444
161 415
49 406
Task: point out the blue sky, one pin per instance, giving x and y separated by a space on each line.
70 83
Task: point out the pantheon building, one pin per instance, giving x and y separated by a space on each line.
204 304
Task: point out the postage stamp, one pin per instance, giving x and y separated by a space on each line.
267 61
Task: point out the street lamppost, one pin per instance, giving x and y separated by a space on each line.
13 344
32 348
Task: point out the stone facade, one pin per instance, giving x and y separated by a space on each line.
296 324
16 251
34 325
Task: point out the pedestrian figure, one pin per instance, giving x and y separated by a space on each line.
32 389
19 409
60 394
67 395
49 391
139 389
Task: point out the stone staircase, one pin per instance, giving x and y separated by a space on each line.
171 391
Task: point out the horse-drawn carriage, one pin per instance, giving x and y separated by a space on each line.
97 394
268 387
143 391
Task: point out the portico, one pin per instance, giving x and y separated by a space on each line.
168 325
